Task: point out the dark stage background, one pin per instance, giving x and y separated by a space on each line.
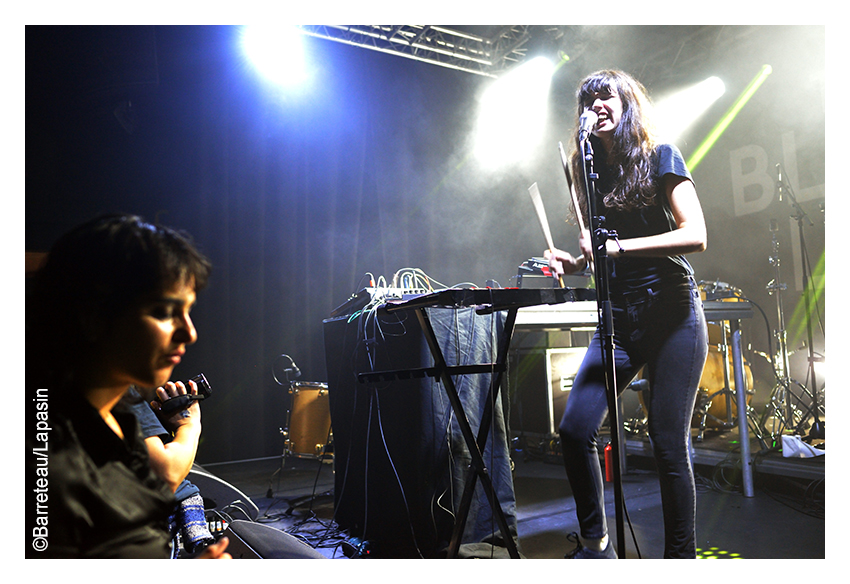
295 197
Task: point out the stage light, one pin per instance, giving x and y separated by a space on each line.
727 118
276 52
512 115
677 112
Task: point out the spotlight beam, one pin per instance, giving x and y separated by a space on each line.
728 117
680 110
512 115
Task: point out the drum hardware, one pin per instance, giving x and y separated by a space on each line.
307 431
637 425
716 398
787 411
715 407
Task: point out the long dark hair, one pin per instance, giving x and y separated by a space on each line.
100 269
633 145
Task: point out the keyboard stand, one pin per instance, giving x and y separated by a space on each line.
475 444
486 301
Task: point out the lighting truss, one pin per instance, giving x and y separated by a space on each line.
437 45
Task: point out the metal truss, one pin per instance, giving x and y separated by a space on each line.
490 57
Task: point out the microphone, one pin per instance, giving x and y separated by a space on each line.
296 372
779 180
279 372
585 123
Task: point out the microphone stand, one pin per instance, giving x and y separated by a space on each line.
780 399
287 452
817 430
599 237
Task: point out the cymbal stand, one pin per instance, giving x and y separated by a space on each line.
781 408
817 429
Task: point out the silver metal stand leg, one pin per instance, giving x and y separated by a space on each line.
741 394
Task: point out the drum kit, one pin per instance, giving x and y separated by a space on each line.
790 407
716 402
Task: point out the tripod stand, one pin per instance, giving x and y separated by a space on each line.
785 410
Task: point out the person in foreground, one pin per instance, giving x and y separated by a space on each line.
109 309
647 196
172 442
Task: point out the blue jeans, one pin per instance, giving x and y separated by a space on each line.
665 330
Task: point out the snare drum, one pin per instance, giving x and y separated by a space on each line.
309 420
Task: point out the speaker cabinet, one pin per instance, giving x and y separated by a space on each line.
540 382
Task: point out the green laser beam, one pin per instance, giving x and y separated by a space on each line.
817 288
727 118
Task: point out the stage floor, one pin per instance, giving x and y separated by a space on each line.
783 520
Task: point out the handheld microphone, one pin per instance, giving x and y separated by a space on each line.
585 123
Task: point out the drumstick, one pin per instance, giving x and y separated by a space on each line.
541 216
572 188
573 195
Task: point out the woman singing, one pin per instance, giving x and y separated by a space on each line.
646 194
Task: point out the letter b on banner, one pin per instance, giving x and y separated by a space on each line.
753 186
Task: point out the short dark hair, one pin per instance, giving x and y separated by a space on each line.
104 265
